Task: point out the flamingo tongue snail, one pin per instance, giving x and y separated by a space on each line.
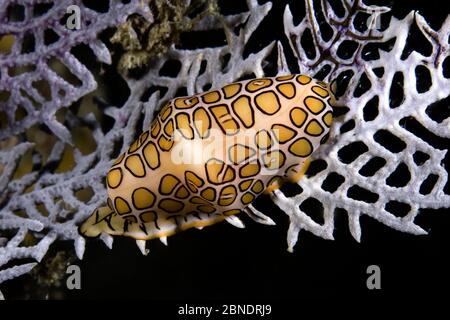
205 158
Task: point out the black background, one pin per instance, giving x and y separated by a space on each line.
223 262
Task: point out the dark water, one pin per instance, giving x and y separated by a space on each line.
223 262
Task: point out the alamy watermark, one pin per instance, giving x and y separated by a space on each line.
74 20
73 280
374 279
373 21
228 148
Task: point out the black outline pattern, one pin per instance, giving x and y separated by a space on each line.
249 181
248 164
157 155
292 168
258 185
309 108
120 180
190 183
143 137
133 200
231 212
220 123
303 83
185 192
258 87
233 95
165 112
295 141
324 138
141 163
287 77
106 218
160 144
134 146
189 128
261 108
275 179
198 200
168 128
283 158
110 203
284 85
316 122
324 121
227 201
224 168
317 89
125 201
206 208
250 110
210 92
257 139
294 132
231 157
291 117
155 126
171 201
194 100
247 194
119 159
207 190
155 216
161 183
208 130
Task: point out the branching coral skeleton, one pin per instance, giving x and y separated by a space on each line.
21 198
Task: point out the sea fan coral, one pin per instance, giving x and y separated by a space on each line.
39 76
385 157
381 138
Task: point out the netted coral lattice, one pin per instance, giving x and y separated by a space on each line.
386 155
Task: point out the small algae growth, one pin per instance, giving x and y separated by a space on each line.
144 40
